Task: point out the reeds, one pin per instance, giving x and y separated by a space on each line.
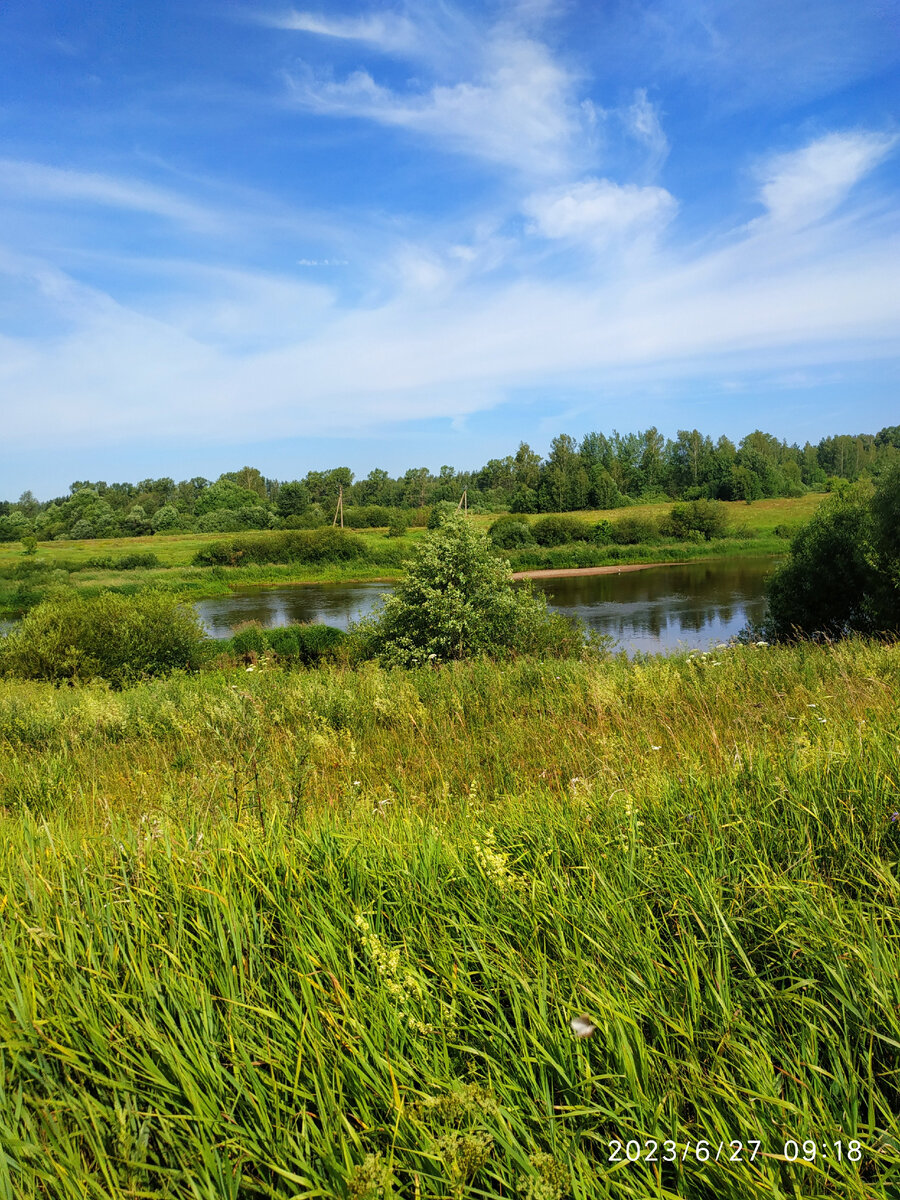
323 934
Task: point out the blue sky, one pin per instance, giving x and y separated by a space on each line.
418 233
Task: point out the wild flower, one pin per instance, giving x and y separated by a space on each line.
402 985
493 863
895 816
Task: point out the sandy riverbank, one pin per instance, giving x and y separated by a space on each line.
612 569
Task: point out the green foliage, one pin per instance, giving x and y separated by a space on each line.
113 637
398 523
327 544
826 586
843 574
511 533
138 561
634 531
305 644
557 530
439 512
367 516
166 518
706 517
293 499
29 544
458 600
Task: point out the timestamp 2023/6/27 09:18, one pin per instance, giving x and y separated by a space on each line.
809 1151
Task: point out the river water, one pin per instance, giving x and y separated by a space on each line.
683 605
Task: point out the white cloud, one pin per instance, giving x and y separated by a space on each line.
805 185
386 31
40 182
597 210
517 109
642 121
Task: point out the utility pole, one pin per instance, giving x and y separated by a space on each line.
464 502
339 511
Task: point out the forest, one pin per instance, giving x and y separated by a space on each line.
599 472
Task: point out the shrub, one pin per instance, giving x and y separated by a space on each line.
458 599
557 530
398 523
706 517
128 562
367 516
110 636
251 640
307 644
633 531
511 533
602 532
285 546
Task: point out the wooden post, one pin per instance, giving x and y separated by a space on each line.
464 502
340 507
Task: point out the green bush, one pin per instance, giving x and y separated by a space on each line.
511 533
708 518
367 516
557 530
633 531
285 546
110 636
250 641
843 574
398 523
457 600
306 644
128 562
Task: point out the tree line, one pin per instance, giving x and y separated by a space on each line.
599 472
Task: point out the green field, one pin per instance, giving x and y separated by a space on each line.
384 555
322 934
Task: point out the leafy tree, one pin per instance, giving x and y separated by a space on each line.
293 499
167 517
826 585
439 513
458 600
226 494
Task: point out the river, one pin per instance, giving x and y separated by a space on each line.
680 605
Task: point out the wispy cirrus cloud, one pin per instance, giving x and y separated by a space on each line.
805 185
388 32
49 184
517 108
448 342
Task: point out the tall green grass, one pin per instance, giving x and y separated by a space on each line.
323 934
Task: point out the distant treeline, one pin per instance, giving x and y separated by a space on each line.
600 471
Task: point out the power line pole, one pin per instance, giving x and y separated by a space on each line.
339 511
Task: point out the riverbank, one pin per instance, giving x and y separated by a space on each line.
24 579
571 572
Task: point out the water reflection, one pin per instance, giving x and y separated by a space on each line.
663 608
313 603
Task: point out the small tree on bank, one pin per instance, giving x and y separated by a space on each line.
458 600
843 575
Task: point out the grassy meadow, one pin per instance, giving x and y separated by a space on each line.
322 933
66 561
